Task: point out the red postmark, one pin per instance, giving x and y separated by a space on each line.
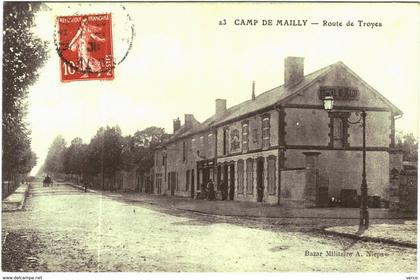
85 47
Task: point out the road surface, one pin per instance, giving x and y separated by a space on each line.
65 229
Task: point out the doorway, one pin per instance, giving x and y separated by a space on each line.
172 182
225 182
232 182
260 180
192 183
219 177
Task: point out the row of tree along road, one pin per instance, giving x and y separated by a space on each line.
23 55
107 153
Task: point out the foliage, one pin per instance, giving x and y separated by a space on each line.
23 55
138 149
54 162
408 143
150 136
103 154
74 157
107 152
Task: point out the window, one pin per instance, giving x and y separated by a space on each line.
187 180
245 133
240 167
271 175
266 131
210 145
225 141
184 151
255 135
338 136
235 144
249 176
192 179
338 129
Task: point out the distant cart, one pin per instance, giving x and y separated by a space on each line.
47 182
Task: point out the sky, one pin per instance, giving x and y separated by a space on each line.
181 59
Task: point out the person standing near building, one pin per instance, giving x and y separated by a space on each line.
210 188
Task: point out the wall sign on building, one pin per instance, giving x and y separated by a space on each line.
339 93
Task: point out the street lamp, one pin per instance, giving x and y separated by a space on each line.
364 213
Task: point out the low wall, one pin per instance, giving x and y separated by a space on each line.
292 187
403 197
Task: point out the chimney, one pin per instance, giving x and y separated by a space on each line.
220 106
293 70
177 124
253 90
188 120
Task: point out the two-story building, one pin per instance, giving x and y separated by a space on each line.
282 146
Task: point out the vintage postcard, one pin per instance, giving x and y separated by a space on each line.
210 137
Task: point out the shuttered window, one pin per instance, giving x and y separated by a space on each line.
249 176
266 131
245 136
240 167
271 175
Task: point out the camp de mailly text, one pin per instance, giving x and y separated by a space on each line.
305 22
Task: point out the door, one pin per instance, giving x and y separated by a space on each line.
260 180
219 177
232 182
225 182
172 182
205 176
192 183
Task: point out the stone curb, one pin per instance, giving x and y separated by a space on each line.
372 239
19 205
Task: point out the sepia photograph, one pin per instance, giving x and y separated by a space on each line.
209 137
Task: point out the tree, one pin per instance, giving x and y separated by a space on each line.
104 152
74 156
54 163
29 160
107 152
408 143
144 143
150 136
23 55
130 152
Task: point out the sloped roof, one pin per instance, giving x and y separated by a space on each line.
183 130
269 98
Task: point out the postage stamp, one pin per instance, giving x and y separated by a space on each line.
85 47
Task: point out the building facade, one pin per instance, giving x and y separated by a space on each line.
282 147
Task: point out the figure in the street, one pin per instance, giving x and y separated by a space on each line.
47 181
210 188
85 43
85 184
203 192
